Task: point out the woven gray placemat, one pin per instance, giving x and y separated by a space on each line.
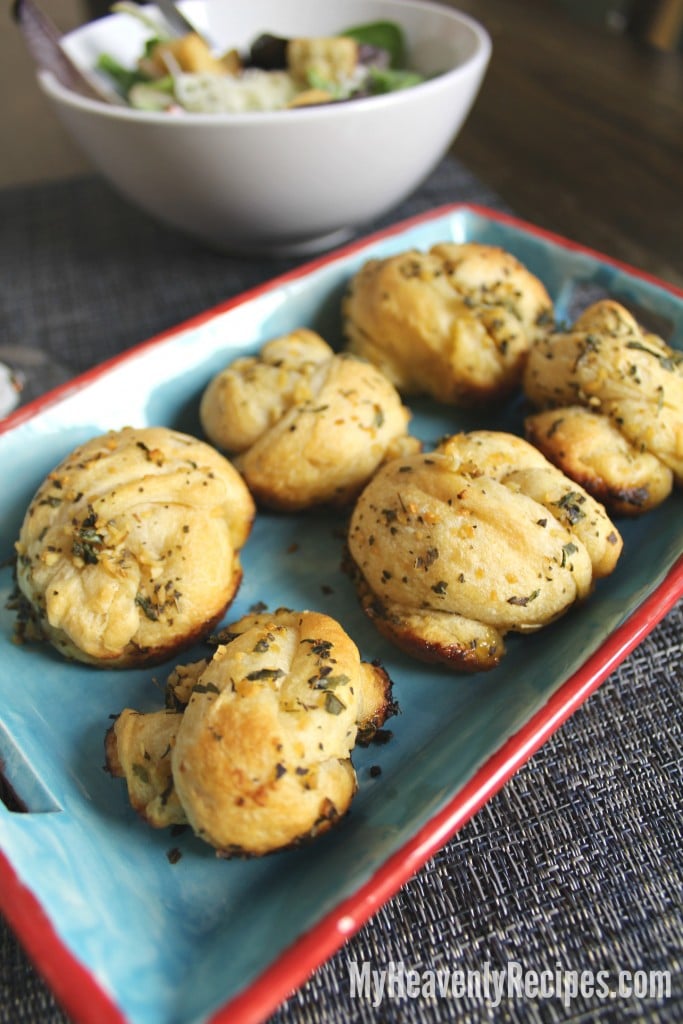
576 862
86 276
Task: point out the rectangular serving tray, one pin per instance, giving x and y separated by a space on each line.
123 931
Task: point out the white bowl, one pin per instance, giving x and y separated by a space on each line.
286 181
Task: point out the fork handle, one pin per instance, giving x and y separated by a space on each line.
43 40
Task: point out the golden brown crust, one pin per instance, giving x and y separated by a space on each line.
252 393
259 758
591 450
453 549
606 362
455 322
129 550
138 749
430 635
308 427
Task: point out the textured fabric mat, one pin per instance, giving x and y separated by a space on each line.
85 275
576 863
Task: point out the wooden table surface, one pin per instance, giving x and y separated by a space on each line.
580 130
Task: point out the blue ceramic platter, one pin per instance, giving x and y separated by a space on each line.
180 943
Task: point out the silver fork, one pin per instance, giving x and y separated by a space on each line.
177 21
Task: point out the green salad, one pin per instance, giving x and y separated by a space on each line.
182 73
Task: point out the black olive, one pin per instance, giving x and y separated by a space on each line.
269 53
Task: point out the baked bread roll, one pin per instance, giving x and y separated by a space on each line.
453 549
610 365
592 450
254 752
455 322
129 550
308 427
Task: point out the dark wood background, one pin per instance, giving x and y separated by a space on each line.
580 129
